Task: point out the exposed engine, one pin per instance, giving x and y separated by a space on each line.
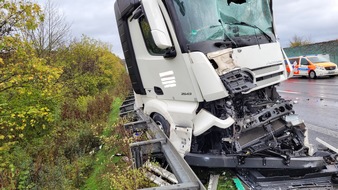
265 126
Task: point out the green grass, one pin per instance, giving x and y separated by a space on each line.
113 116
226 182
96 179
104 157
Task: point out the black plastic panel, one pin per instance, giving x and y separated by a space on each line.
223 161
123 9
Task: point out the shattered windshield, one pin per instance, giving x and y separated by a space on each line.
204 20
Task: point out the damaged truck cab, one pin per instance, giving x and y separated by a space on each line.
206 72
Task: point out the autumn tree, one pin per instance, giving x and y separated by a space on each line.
15 15
89 67
27 85
299 41
51 34
43 145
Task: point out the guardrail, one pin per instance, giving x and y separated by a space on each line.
158 144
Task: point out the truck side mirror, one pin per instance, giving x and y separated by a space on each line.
157 24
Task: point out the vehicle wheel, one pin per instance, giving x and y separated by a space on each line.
312 75
162 123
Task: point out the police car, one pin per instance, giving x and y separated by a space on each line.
312 66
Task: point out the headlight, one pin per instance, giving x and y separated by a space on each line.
320 68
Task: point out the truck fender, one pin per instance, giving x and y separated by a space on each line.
160 107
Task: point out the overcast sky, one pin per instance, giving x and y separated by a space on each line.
316 20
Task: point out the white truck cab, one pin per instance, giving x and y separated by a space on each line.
206 72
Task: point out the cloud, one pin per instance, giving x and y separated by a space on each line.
95 19
312 19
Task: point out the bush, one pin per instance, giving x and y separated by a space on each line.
129 179
54 113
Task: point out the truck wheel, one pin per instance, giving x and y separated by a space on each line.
162 123
312 75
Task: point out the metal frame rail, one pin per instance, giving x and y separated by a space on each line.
159 143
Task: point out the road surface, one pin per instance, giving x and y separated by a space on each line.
317 104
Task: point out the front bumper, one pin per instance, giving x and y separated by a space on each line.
326 72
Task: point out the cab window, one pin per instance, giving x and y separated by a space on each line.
304 62
148 38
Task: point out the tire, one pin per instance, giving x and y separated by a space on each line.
312 75
162 123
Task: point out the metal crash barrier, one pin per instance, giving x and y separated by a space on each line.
182 176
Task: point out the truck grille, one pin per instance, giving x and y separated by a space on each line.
268 75
330 68
268 69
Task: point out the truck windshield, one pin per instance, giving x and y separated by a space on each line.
205 20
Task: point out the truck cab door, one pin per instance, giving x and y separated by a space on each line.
295 65
304 67
162 78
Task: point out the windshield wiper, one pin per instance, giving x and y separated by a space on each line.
225 34
181 6
253 26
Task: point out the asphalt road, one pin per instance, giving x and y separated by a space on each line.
316 102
